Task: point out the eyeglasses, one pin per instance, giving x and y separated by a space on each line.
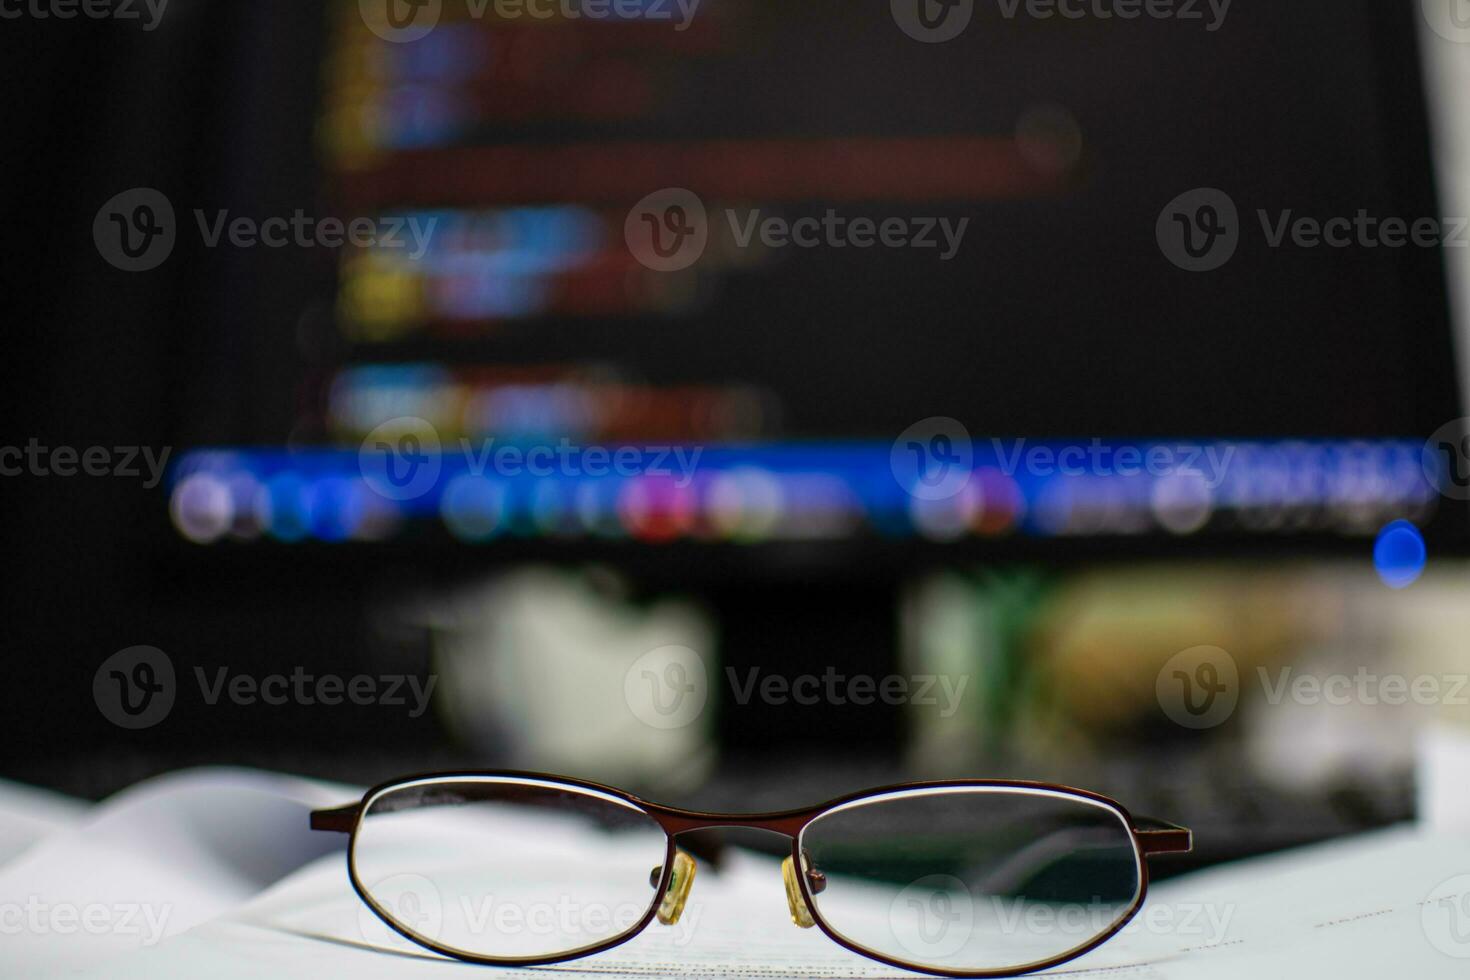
968 878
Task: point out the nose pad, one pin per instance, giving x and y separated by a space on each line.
677 893
800 914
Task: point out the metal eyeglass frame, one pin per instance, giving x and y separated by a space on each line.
1149 837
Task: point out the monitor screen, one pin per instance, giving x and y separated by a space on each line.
737 270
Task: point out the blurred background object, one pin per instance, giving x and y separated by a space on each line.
528 662
1034 502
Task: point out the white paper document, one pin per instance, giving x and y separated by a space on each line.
220 877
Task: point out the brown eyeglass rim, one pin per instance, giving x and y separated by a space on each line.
1149 837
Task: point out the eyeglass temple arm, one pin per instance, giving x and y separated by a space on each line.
340 820
1160 837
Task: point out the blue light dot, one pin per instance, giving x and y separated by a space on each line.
1399 554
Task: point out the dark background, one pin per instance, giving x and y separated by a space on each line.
1059 319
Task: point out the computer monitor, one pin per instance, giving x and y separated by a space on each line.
764 273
